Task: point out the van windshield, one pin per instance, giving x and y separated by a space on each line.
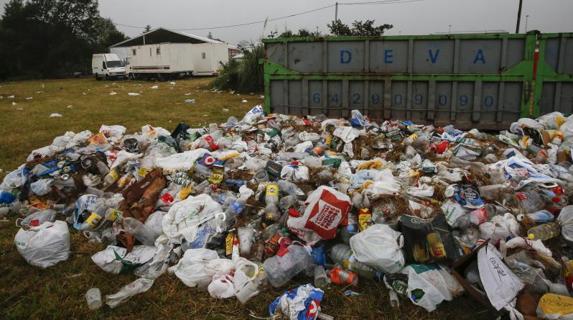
114 64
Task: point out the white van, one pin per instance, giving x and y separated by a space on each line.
108 66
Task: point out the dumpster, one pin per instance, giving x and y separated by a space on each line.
481 81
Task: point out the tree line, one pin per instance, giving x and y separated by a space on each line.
52 38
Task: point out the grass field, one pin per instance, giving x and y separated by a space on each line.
58 293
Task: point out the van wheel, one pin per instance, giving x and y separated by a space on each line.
97 78
106 77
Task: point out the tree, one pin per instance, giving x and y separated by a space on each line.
147 28
359 28
106 34
46 38
210 35
338 28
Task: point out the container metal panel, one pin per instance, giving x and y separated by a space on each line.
568 57
346 56
376 99
335 99
547 101
315 96
389 56
511 101
552 52
433 57
399 100
464 102
278 96
419 101
276 53
489 101
356 95
566 101
443 100
515 52
480 56
295 104
305 57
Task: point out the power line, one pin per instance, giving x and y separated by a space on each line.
281 17
260 21
377 2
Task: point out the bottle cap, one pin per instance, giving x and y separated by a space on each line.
531 236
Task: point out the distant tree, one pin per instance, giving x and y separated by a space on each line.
304 33
286 34
210 35
338 28
244 44
106 34
359 28
147 28
46 38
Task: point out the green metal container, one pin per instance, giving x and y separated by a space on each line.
481 81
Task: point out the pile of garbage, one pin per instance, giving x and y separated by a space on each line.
232 208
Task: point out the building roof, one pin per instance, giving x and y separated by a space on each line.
162 35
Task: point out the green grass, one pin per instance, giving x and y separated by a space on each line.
27 292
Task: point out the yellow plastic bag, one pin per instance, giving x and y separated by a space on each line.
554 306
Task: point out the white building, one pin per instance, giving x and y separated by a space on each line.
164 53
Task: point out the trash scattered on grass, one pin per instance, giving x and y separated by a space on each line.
55 115
234 208
133 94
190 101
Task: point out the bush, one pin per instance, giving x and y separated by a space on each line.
244 75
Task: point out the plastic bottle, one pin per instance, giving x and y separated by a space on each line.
139 230
342 277
280 270
541 216
320 278
111 177
272 201
93 298
290 188
545 231
201 172
530 201
341 254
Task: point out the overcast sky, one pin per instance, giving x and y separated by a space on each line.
409 17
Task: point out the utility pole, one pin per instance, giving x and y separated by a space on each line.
519 16
336 12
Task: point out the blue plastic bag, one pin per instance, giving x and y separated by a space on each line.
302 303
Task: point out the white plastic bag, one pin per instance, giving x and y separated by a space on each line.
221 287
185 217
45 245
500 283
115 259
247 280
180 161
113 133
429 285
191 268
379 247
325 209
297 173
42 187
136 287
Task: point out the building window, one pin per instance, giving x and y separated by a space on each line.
134 52
158 51
203 55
